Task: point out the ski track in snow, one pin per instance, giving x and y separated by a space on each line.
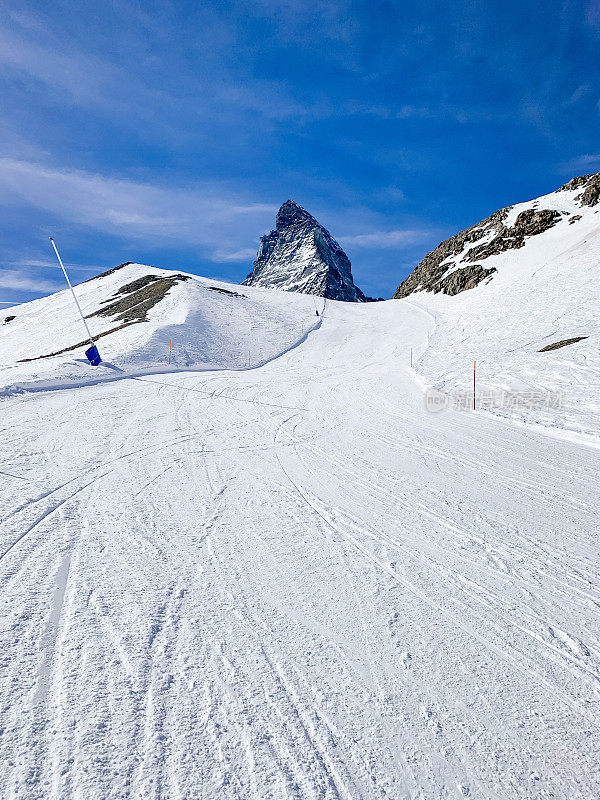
294 582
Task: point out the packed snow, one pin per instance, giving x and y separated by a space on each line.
545 292
292 580
194 327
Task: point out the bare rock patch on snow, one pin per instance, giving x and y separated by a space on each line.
562 343
141 295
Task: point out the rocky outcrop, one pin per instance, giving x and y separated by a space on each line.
463 278
139 296
529 223
591 188
301 256
436 264
491 236
455 265
562 343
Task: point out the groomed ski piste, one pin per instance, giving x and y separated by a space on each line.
266 570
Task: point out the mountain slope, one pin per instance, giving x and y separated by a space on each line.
534 275
465 259
301 256
135 313
294 582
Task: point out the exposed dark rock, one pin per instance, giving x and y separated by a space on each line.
529 223
109 271
431 269
574 218
136 303
301 256
9 318
85 343
591 193
494 238
591 183
562 343
225 291
138 283
463 278
575 183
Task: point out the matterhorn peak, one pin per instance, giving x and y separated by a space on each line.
292 213
300 255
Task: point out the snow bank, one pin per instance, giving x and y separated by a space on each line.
542 293
210 324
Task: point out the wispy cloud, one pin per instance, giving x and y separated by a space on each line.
587 161
245 254
578 94
63 73
204 215
15 279
386 240
36 263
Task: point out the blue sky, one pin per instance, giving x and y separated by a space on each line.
170 132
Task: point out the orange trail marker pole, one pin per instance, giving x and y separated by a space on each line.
474 371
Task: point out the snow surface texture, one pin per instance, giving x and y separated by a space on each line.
290 581
301 256
544 292
207 329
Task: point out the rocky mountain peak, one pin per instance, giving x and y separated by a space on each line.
590 185
300 255
291 213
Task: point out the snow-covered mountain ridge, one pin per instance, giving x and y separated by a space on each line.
453 265
299 255
542 292
289 581
505 289
141 317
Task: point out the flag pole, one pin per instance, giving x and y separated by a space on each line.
72 292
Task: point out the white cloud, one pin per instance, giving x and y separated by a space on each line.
28 263
244 254
64 73
62 70
205 215
581 91
15 279
588 161
386 239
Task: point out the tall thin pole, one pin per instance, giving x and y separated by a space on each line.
411 357
474 370
72 292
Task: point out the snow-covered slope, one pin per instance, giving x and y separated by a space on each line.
293 582
301 256
529 290
209 325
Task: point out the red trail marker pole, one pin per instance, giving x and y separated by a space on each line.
474 373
